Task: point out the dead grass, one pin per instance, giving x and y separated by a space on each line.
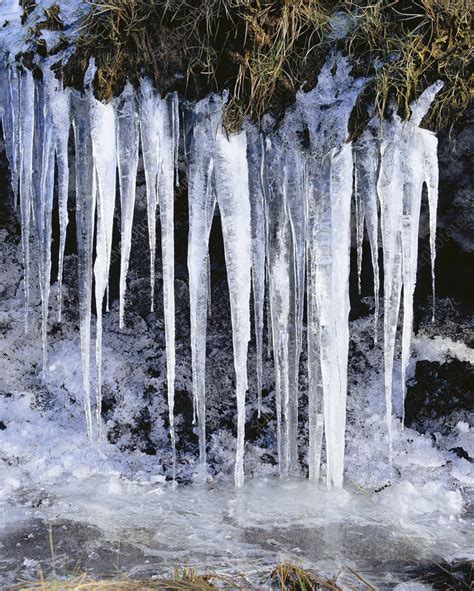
186 579
264 50
287 576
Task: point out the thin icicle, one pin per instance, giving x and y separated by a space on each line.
61 121
296 204
359 223
366 157
234 206
149 134
127 159
169 133
430 145
199 148
45 199
255 165
26 131
85 217
103 133
279 294
175 128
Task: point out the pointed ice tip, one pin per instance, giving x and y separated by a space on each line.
420 107
90 73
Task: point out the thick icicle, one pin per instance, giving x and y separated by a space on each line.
234 206
103 134
149 133
412 171
255 165
332 274
402 172
85 217
366 160
199 149
328 242
127 159
389 189
168 169
26 131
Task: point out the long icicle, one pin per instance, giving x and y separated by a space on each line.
103 133
149 134
199 148
85 218
234 206
61 119
27 109
169 133
255 163
127 160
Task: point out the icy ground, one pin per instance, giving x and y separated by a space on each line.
112 508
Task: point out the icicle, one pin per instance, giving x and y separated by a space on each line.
234 206
419 164
10 107
149 133
85 217
168 137
255 165
328 242
26 130
366 156
60 112
296 204
175 127
430 144
103 134
359 223
127 159
199 148
45 202
332 274
389 189
278 257
412 171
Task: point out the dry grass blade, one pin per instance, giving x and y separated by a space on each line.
263 51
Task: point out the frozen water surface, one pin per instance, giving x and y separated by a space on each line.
108 525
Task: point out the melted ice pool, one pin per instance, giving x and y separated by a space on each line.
109 526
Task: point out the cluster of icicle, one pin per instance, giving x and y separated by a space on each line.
284 196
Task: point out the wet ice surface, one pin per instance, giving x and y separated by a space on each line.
110 526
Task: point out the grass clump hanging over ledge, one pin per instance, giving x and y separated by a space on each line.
263 51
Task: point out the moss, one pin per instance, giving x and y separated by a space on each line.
263 51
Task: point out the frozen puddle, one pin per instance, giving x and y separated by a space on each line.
110 526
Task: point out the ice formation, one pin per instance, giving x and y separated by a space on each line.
284 195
